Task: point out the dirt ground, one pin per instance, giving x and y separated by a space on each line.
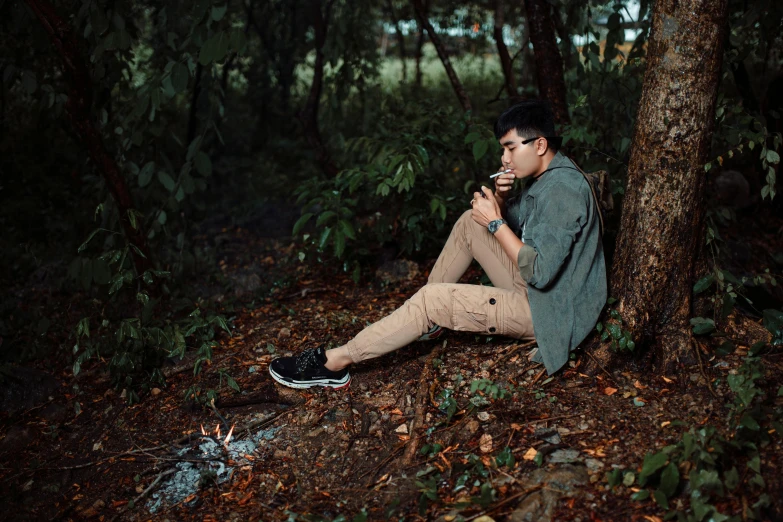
515 445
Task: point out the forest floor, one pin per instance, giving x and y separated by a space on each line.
462 428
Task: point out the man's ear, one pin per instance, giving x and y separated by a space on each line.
542 144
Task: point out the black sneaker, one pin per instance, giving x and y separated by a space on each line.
307 370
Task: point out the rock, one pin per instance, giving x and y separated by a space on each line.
539 506
396 271
594 465
155 391
549 435
564 456
316 432
483 416
472 427
284 333
24 388
402 428
245 284
17 438
485 443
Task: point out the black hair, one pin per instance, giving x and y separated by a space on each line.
530 118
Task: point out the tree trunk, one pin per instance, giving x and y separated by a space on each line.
662 227
309 114
400 40
549 64
419 53
459 90
78 110
505 57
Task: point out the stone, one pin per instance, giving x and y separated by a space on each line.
539 506
284 333
24 388
483 416
402 428
396 271
563 456
155 391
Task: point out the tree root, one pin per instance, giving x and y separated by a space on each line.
421 404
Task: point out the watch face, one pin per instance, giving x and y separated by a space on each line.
495 225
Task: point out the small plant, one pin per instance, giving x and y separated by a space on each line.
613 331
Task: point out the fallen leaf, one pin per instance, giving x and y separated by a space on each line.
666 379
530 454
639 385
485 443
665 423
609 390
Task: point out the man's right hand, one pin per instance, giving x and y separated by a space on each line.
503 184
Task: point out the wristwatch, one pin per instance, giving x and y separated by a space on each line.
494 225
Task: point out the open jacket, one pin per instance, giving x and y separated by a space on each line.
562 259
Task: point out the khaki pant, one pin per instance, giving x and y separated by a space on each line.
500 310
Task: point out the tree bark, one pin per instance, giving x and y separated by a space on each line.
459 90
400 40
505 57
78 109
419 54
549 63
662 226
309 114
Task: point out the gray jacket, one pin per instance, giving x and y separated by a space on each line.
562 259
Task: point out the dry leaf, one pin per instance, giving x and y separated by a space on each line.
639 385
609 390
666 379
665 423
485 443
530 454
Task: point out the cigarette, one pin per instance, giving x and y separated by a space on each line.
495 175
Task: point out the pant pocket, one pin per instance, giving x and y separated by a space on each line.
468 313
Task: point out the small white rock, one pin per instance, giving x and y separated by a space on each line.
483 416
402 428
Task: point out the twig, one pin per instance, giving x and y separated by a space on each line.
223 419
701 368
505 501
599 365
512 350
146 491
421 402
303 293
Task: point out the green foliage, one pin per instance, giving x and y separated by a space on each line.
612 331
417 171
490 389
707 460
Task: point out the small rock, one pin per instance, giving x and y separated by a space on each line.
99 504
594 464
549 435
252 369
402 428
485 443
564 456
472 426
284 333
638 402
396 419
97 446
155 391
316 432
483 417
124 393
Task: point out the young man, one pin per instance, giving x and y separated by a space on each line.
542 251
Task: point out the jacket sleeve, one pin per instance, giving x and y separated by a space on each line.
561 215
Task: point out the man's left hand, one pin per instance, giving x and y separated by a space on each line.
485 209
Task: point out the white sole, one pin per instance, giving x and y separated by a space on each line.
328 383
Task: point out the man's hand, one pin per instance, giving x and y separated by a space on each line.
503 184
485 209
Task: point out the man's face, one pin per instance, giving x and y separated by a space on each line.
524 159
